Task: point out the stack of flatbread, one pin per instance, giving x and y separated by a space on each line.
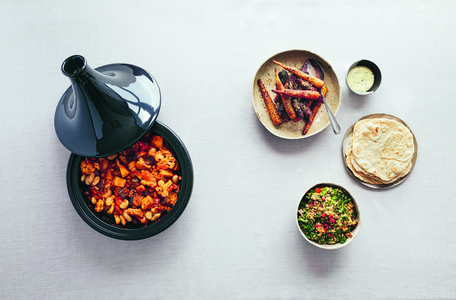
380 151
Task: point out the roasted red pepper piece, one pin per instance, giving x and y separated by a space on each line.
118 209
172 187
118 201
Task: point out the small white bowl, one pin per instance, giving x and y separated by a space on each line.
354 232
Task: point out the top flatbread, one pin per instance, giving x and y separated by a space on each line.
382 149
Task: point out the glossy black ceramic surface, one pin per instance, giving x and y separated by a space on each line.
107 109
84 208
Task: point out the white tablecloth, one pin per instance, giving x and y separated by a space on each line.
237 238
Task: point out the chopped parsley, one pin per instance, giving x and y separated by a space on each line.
327 215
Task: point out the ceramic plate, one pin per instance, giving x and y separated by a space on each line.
346 143
291 129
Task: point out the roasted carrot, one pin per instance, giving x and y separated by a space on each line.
279 84
281 109
272 109
306 85
307 94
315 81
312 117
324 90
315 109
285 99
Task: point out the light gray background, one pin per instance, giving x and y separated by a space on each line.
237 238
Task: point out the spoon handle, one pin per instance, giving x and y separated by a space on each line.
332 119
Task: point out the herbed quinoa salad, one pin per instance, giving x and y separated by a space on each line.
327 215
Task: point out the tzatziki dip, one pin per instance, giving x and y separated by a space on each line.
360 79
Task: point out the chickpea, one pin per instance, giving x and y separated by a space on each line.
96 180
124 204
127 217
107 194
105 164
90 178
111 209
155 217
123 159
111 157
117 218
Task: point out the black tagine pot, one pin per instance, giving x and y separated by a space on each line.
105 111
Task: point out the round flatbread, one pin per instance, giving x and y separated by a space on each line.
356 170
380 151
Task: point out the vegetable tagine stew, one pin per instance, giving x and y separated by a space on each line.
327 215
136 187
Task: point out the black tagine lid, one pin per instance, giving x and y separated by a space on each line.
107 109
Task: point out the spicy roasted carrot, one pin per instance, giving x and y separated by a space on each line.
315 109
285 99
324 90
306 85
311 118
272 109
306 94
315 81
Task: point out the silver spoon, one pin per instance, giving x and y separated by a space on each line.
315 64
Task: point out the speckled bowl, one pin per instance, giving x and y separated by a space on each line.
291 129
330 246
